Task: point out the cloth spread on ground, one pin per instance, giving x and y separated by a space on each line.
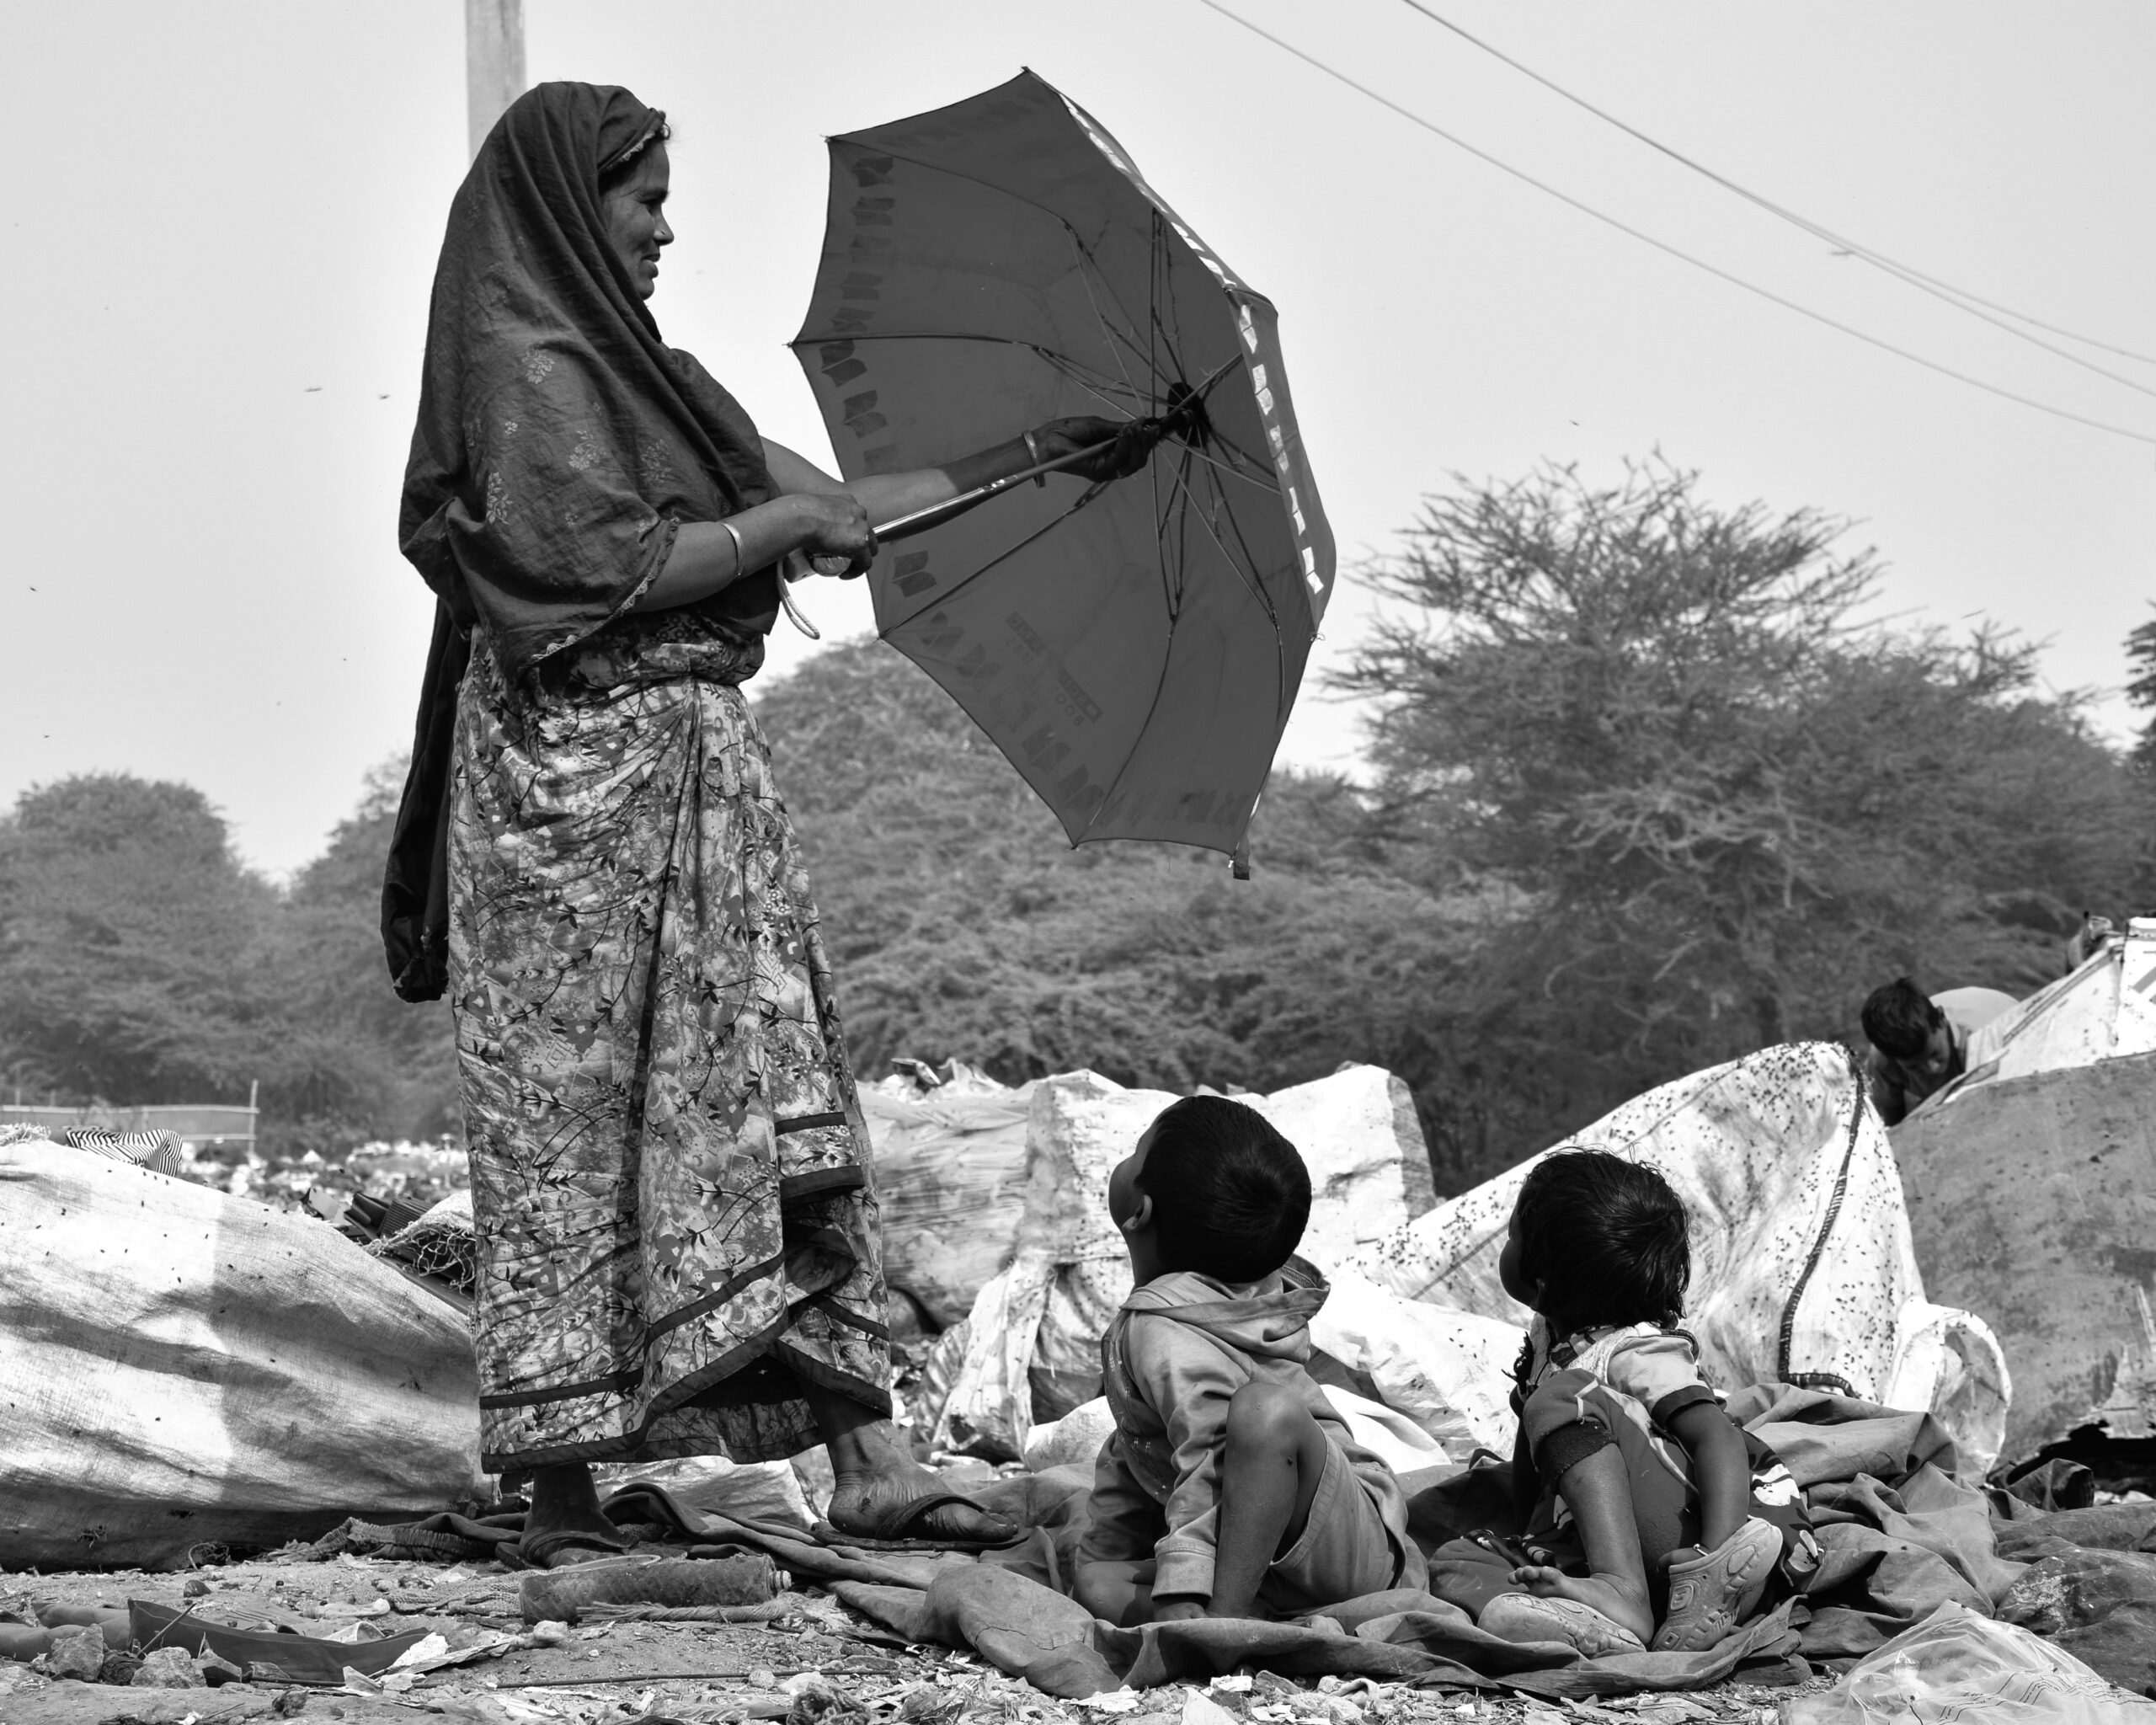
1897 1542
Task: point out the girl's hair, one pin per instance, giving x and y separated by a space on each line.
1230 1195
1604 1240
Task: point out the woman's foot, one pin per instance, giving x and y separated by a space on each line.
864 1498
565 1524
874 1476
1628 1609
1711 1592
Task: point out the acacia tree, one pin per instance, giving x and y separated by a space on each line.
1718 806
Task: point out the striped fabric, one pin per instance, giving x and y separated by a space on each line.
157 1150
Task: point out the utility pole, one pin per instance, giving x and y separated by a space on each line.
493 61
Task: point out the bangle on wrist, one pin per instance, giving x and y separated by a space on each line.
740 556
1034 450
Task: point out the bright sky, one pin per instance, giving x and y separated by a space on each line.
218 224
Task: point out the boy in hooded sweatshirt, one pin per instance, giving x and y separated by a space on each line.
1230 1487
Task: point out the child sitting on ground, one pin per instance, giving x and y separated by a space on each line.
1649 1502
1230 1487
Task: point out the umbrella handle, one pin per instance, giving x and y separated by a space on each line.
936 514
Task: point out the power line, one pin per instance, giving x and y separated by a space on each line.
1960 298
1521 175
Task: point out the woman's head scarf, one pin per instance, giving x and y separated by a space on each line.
560 441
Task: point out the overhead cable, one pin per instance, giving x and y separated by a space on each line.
1960 298
1752 287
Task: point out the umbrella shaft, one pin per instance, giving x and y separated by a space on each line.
938 513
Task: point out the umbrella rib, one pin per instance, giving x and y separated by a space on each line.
1233 472
961 586
1054 357
1113 334
1077 244
1271 615
1249 577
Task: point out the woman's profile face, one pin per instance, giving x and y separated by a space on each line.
636 220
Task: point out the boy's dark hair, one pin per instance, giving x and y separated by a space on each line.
1898 1019
1606 1239
1230 1195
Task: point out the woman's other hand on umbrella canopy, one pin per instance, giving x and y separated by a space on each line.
1129 445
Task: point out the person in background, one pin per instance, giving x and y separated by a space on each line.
1920 1044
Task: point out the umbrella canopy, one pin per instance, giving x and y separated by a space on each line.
1134 648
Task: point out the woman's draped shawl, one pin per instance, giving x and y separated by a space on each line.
560 443
560 440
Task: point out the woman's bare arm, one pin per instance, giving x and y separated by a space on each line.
884 496
705 560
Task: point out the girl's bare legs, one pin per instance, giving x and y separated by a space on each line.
1596 1491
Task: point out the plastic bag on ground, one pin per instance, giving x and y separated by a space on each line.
1956 1668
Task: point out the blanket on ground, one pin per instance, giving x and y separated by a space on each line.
1899 1533
1900 1536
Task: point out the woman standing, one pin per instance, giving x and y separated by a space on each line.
678 1245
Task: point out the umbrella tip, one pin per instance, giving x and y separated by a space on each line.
1239 862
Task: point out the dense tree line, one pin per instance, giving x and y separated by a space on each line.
1643 794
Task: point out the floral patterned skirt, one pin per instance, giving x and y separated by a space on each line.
670 1172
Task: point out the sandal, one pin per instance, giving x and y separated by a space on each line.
1531 1617
895 1529
1711 1594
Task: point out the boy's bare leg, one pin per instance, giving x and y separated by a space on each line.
1273 1457
1596 1491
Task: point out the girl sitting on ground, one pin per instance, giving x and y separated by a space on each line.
1642 1501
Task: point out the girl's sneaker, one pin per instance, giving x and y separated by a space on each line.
1712 1592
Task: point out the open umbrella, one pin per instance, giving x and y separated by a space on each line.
1134 648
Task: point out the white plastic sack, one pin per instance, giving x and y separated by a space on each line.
1801 1263
1035 1332
950 1181
2104 1010
1446 1370
1395 1440
1957 1669
178 1367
